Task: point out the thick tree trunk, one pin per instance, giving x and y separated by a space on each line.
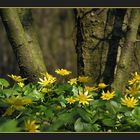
24 42
91 44
125 62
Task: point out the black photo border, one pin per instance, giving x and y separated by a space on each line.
70 4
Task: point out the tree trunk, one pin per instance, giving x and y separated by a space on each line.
24 42
92 41
114 42
125 62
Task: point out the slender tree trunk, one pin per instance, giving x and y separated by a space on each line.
24 42
125 62
114 42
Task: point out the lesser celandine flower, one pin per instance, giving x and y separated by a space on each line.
17 78
108 95
130 102
21 84
136 79
62 72
84 98
15 103
44 82
18 101
70 100
47 80
135 89
9 111
72 81
45 90
84 79
31 126
102 85
90 88
49 77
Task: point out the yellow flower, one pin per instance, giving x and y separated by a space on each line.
44 82
31 126
45 90
49 76
108 95
47 80
17 78
15 103
72 81
129 101
136 79
21 84
135 89
102 85
84 98
9 111
62 72
84 79
71 100
88 88
18 101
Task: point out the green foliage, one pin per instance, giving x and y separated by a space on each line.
68 107
4 83
9 126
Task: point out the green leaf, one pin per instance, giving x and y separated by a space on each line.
10 92
63 88
78 126
62 119
85 115
9 126
96 127
75 90
108 122
136 113
4 82
97 103
113 107
35 95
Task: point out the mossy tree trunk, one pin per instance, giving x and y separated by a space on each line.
21 34
125 61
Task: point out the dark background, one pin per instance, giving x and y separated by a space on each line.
69 3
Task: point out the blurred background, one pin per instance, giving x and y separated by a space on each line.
55 28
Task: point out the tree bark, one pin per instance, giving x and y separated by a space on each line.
22 37
125 62
92 42
114 42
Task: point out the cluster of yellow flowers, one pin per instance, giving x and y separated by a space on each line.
133 89
18 79
82 98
